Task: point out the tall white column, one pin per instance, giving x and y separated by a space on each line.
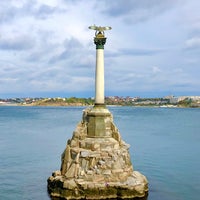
100 41
99 78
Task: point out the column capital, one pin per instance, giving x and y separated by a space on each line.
100 41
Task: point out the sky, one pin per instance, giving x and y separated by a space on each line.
47 50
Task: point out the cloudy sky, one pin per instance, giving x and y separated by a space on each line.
47 50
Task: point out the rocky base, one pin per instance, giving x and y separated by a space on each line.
61 187
96 163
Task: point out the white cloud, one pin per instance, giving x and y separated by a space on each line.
18 43
156 69
193 43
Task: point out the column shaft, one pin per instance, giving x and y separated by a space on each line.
99 84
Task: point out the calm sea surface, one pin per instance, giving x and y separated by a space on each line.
165 147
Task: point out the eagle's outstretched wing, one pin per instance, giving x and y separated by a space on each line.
93 27
107 28
100 28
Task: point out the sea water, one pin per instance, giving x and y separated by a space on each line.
165 147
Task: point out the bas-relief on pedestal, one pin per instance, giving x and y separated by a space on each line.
96 162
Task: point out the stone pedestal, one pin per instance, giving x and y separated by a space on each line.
96 162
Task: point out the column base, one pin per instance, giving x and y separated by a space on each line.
99 105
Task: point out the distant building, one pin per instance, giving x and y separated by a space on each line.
174 100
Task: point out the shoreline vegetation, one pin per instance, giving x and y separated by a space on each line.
186 102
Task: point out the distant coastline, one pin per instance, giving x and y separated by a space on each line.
166 102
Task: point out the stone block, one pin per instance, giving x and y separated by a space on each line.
98 179
123 176
84 163
84 154
71 171
82 144
109 164
106 172
117 171
101 162
88 145
94 155
56 173
95 147
89 172
69 184
116 146
92 162
104 154
74 143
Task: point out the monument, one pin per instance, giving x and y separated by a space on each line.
96 163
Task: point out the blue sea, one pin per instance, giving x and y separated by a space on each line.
165 147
